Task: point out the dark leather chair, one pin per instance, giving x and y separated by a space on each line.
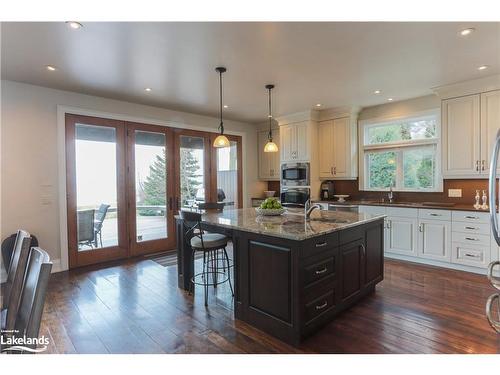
33 295
15 278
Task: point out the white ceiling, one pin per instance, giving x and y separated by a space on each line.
335 64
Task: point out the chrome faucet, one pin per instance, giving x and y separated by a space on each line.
390 195
309 208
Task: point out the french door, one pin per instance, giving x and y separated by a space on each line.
126 180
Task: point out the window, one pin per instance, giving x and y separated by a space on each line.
402 153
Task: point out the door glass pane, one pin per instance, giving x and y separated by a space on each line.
96 186
382 169
192 167
227 175
150 185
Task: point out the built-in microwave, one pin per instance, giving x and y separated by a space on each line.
295 196
295 174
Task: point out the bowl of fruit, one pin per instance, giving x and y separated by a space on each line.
270 207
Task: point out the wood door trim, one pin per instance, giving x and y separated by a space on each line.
81 258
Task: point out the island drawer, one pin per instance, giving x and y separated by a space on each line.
318 245
319 305
351 235
319 270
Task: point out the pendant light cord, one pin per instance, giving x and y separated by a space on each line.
270 116
221 126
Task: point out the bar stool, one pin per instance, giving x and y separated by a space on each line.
209 244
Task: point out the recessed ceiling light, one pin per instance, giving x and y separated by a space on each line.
467 31
318 105
148 89
483 67
376 92
390 99
51 68
226 106
74 25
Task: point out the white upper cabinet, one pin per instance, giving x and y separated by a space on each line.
470 124
490 124
461 136
295 142
337 148
269 162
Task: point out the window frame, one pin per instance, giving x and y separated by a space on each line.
398 147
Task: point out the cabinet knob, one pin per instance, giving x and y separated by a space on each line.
334 170
420 227
483 162
477 165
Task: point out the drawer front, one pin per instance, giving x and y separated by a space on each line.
471 217
320 305
319 270
476 256
424 213
402 212
474 228
351 235
471 239
318 245
372 210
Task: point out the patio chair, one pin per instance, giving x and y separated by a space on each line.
100 215
85 224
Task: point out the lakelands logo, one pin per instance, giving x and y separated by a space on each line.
12 343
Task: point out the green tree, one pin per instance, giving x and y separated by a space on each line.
190 182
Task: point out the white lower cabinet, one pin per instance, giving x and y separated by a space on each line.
461 238
434 239
401 236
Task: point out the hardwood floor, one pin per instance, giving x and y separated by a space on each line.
135 307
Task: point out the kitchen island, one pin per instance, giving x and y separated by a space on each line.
291 275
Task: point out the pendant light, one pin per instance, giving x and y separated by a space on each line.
270 145
221 140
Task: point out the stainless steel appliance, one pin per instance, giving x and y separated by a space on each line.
295 174
492 312
327 190
295 196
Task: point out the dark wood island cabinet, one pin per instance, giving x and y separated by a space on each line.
293 276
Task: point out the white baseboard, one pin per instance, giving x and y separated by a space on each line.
453 266
56 265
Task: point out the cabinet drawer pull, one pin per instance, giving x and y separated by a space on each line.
482 165
319 272
421 227
477 165
433 214
471 228
321 244
364 249
471 239
471 217
471 255
321 307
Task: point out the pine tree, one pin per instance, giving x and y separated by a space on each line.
189 177
155 183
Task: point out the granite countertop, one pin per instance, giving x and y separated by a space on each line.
429 205
291 225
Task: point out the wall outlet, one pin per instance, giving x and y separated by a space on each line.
455 193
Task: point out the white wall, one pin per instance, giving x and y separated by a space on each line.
29 153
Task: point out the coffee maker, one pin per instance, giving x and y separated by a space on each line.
327 190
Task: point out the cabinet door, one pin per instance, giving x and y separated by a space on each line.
351 258
326 149
288 143
264 157
490 124
341 147
302 141
434 240
461 136
274 157
402 236
374 253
